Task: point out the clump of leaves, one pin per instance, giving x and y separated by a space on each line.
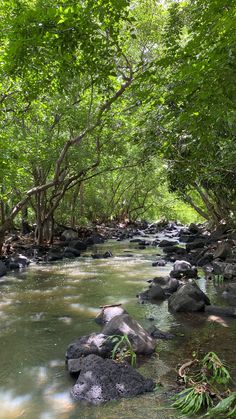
226 408
205 386
122 349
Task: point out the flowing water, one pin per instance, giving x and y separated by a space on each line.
46 307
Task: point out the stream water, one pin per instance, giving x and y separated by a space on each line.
46 307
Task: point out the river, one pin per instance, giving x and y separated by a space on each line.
45 307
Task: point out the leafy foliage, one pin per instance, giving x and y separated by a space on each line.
204 387
122 349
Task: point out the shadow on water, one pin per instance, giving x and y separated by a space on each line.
46 307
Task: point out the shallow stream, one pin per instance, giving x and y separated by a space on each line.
46 307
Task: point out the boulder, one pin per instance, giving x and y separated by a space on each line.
230 290
186 273
223 251
54 254
78 245
221 311
108 312
140 339
103 380
3 269
228 270
105 255
160 262
21 260
182 268
95 343
188 298
181 265
69 235
94 239
196 244
70 251
155 292
204 260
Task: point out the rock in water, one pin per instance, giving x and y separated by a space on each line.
124 324
188 298
103 380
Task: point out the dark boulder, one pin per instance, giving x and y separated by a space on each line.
94 239
196 244
204 260
54 254
188 298
228 270
70 251
182 268
155 292
160 262
221 311
124 324
78 245
3 269
95 343
105 255
187 273
103 380
108 312
223 251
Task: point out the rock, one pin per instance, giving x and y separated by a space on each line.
69 235
228 270
193 228
123 324
103 380
221 311
188 298
3 269
158 334
105 255
20 260
168 284
230 290
160 262
78 245
95 343
167 243
186 273
181 265
197 244
108 312
179 251
13 266
223 251
54 254
71 251
204 260
94 239
155 292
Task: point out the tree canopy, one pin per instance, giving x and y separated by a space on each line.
132 98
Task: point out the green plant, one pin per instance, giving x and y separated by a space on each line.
122 349
218 279
226 408
205 384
